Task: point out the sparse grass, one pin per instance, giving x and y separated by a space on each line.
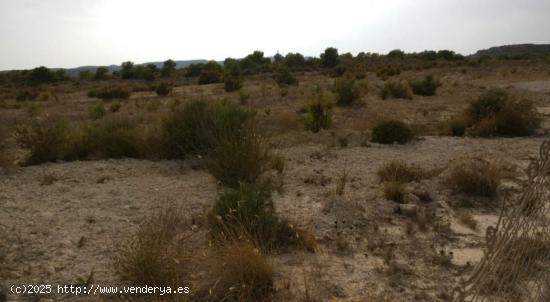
5 158
390 132
476 177
111 92
399 171
466 218
243 96
394 191
341 183
98 111
396 89
153 255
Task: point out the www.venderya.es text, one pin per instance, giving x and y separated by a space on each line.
95 289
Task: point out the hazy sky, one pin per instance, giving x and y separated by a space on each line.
71 33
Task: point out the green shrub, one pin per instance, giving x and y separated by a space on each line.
248 212
426 87
232 83
475 177
98 111
387 72
390 132
283 76
47 140
330 57
115 107
210 77
110 137
239 158
163 89
347 91
396 89
113 138
318 113
201 124
487 105
111 92
496 113
210 73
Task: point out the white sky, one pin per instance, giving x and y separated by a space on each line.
71 33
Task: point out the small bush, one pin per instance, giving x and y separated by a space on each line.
209 76
395 89
113 138
111 92
398 171
241 158
163 89
283 77
496 113
47 140
347 91
232 83
455 127
248 212
394 191
201 124
390 132
426 87
476 177
318 113
153 255
466 219
387 72
115 107
487 105
241 273
98 111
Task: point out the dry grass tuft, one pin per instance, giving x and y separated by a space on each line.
240 273
399 171
394 191
155 255
476 177
466 218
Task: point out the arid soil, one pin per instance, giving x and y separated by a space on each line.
65 220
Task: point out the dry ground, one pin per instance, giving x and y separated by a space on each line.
64 220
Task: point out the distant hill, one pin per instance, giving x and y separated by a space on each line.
73 72
515 50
